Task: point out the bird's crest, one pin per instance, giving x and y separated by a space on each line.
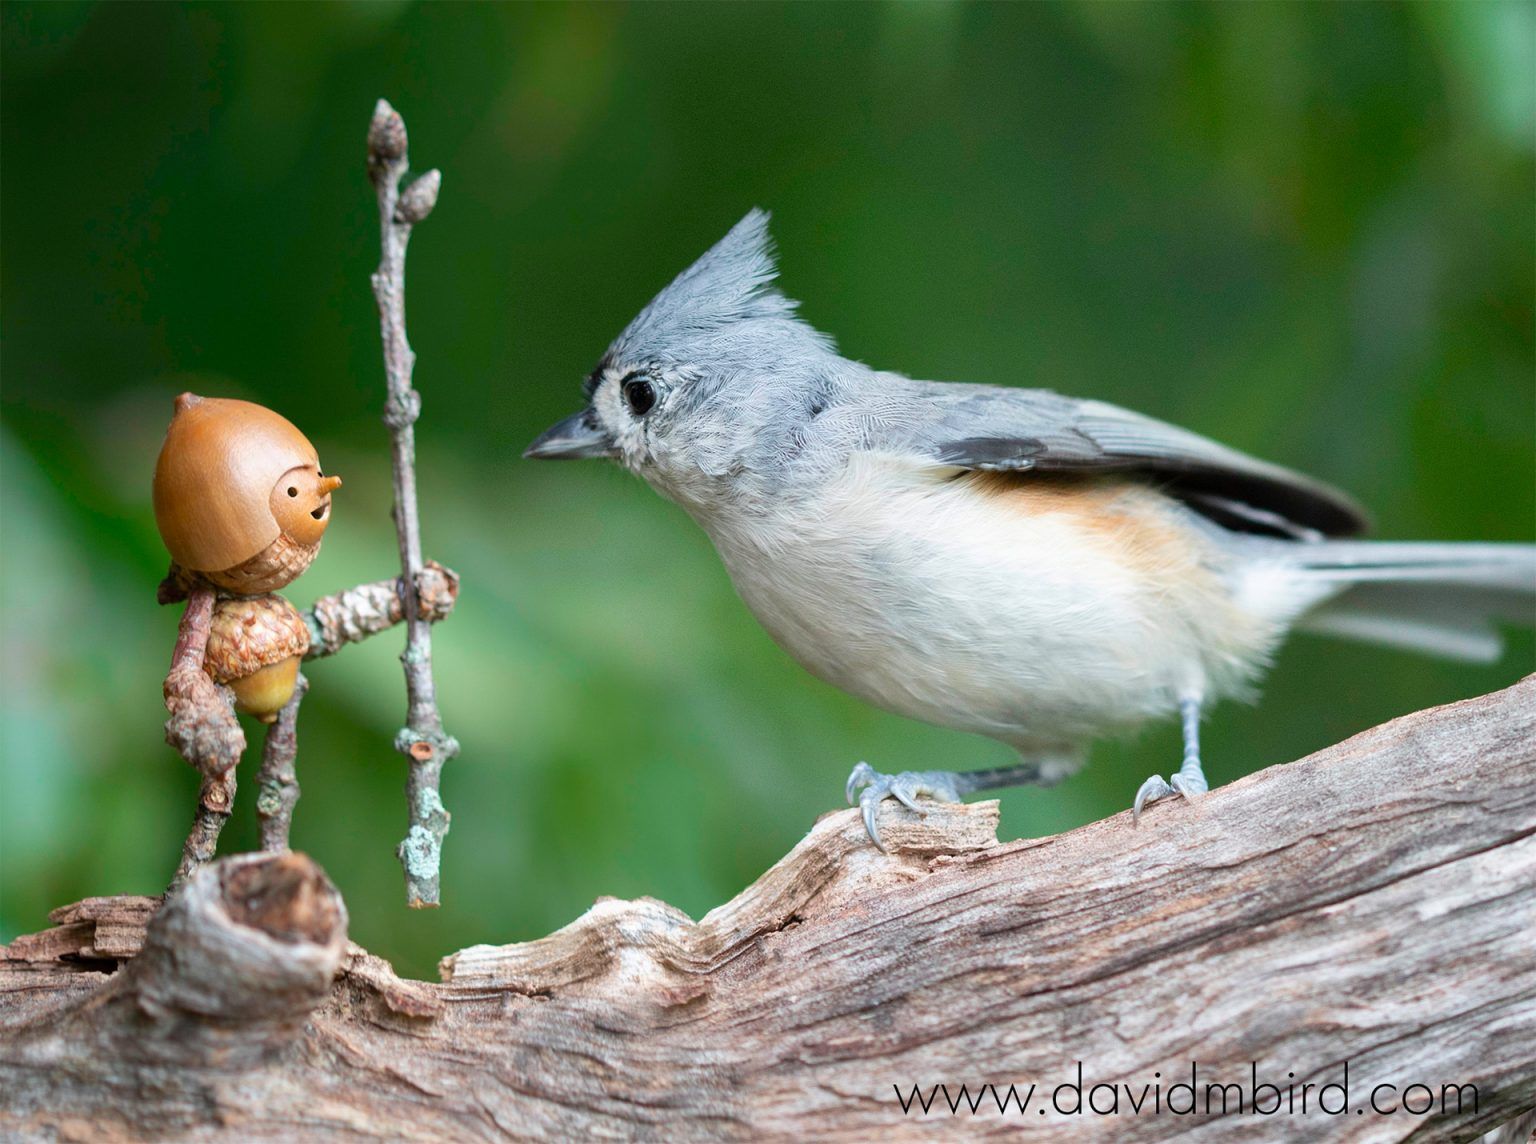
729 287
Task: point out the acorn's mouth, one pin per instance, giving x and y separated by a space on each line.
328 485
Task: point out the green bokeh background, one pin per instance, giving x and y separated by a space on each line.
1306 230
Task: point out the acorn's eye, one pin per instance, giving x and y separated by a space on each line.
639 394
293 492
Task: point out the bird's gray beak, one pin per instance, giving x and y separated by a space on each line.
572 439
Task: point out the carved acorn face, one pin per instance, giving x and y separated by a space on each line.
239 494
301 502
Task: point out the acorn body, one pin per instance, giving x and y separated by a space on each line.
255 644
240 499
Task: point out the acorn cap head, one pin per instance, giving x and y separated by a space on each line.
223 469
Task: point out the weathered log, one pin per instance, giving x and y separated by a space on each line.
1373 904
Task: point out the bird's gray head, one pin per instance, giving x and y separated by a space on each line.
710 383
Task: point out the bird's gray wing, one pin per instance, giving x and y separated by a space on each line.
1029 430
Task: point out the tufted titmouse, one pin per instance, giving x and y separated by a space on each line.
1031 567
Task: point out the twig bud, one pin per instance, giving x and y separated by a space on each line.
418 199
386 137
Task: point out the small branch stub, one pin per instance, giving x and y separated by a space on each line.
423 741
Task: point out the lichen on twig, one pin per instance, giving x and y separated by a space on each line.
423 741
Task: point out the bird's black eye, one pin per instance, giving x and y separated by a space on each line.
639 394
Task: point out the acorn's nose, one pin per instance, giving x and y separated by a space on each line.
329 484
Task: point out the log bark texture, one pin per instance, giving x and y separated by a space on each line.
1373 904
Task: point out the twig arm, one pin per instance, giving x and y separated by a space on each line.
368 609
423 741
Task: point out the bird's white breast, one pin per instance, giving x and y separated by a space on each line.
1038 612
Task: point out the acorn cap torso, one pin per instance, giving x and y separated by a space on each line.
214 479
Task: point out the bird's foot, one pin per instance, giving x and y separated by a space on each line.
872 788
1189 783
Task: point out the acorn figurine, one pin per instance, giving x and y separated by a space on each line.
241 503
240 499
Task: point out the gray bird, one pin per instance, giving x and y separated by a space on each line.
1039 569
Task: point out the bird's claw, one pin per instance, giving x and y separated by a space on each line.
871 788
1187 786
861 776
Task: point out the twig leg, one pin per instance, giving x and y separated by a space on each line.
213 806
203 729
277 781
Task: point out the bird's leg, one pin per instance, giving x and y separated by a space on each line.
872 788
1190 781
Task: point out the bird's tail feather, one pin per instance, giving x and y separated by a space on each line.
1444 599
